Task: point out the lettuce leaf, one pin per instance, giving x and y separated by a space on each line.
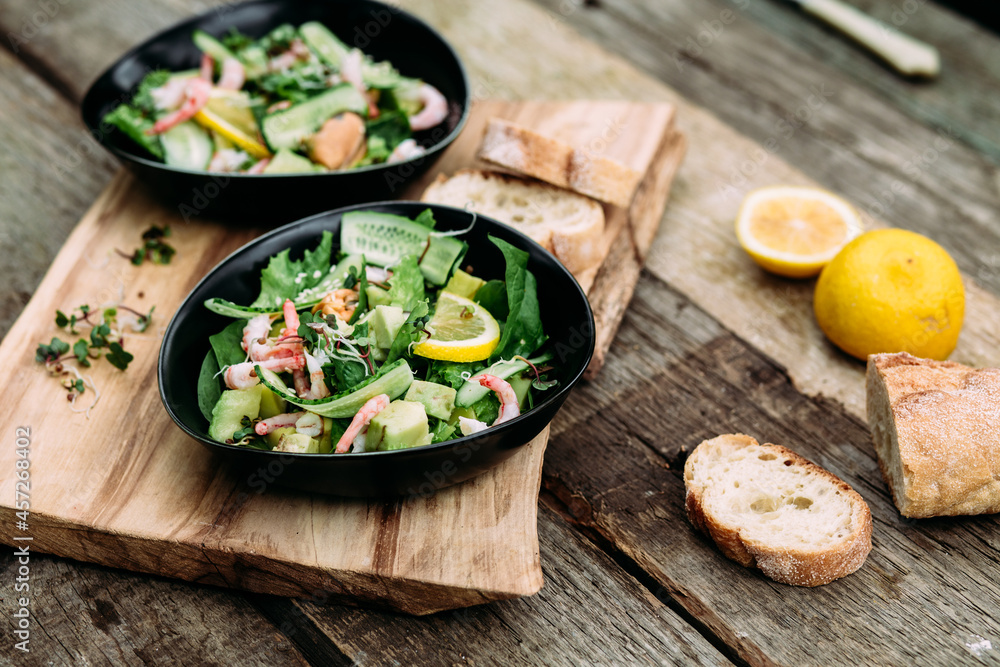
134 125
209 389
406 286
287 278
522 332
227 344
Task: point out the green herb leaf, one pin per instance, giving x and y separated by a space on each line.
406 286
426 217
493 297
61 319
99 335
227 344
286 278
522 333
409 332
79 386
118 357
81 350
209 389
52 351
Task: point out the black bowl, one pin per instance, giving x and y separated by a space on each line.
566 316
382 31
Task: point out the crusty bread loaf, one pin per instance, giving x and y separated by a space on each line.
569 226
936 430
574 168
767 507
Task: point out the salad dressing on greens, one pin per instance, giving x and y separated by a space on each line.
390 346
296 100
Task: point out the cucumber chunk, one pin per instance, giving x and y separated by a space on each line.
289 127
382 238
394 381
327 46
288 162
187 146
443 254
233 406
472 391
211 46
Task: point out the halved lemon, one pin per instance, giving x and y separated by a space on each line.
212 121
795 231
461 330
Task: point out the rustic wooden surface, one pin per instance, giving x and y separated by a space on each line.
181 512
627 579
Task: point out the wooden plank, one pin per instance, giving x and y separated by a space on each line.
46 149
88 615
930 582
589 612
813 116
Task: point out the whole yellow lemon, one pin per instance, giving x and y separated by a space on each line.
891 290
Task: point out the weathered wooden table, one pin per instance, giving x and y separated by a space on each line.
709 345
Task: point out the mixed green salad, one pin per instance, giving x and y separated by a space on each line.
384 345
295 100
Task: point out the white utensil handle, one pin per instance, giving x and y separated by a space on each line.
908 55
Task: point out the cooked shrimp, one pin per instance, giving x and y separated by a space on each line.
233 74
265 426
196 94
350 69
508 399
434 111
207 68
227 160
170 95
297 51
255 335
341 302
361 421
407 149
291 319
243 376
317 387
259 167
469 426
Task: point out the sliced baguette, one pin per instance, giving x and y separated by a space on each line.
569 226
767 507
526 152
936 430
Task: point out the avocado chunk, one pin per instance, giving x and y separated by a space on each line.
386 322
270 403
463 284
326 437
401 425
288 162
233 406
297 443
377 296
274 437
437 399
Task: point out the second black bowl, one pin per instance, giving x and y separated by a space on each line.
382 31
566 317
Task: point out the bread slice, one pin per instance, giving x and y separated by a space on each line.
569 226
767 507
936 430
574 168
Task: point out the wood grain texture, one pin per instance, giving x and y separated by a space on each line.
52 171
589 612
198 520
926 588
150 499
88 615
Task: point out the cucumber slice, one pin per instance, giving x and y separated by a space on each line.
233 406
472 391
443 254
230 309
382 238
288 162
211 46
187 146
394 380
327 46
289 127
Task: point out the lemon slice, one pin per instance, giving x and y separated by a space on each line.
461 330
212 121
234 107
795 231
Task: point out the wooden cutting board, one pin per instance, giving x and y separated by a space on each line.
121 485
